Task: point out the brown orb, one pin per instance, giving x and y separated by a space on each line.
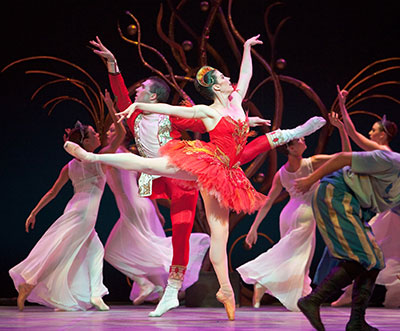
131 29
204 5
280 64
259 178
187 45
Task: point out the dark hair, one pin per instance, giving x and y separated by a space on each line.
160 88
207 91
389 127
78 133
284 148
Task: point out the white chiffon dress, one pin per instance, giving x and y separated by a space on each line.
137 245
66 265
284 268
386 228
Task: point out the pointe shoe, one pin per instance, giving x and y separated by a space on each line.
258 293
228 300
99 304
78 152
145 291
23 292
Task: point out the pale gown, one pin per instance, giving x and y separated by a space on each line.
137 245
386 228
284 268
66 265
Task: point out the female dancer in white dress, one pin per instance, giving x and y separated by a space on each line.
282 271
385 226
137 245
65 268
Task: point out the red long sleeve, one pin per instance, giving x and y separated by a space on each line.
254 148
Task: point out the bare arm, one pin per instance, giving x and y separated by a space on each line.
320 159
197 111
336 162
119 127
246 68
276 188
361 141
344 138
50 195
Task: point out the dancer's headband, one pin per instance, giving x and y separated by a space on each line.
79 125
384 123
205 81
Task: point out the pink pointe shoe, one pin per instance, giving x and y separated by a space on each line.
228 300
78 152
23 292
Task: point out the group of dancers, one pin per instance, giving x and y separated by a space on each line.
63 270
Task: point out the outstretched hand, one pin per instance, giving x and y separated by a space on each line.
342 95
102 50
251 238
30 222
253 41
257 121
334 120
107 99
302 185
127 113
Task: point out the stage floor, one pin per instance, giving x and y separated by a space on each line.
135 318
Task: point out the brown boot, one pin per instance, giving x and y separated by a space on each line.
362 291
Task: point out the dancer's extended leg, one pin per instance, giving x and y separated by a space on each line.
218 220
128 161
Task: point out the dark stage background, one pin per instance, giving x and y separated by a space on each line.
325 43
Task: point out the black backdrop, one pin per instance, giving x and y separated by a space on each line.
324 43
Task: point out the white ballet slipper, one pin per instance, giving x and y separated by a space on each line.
99 304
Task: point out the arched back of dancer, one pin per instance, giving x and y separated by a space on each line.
283 270
64 269
213 166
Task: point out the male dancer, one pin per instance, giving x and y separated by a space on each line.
343 204
151 131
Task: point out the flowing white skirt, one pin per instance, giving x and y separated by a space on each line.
66 264
386 228
284 268
137 251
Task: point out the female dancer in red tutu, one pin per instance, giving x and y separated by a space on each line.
213 166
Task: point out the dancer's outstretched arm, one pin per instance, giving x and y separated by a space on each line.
50 195
120 131
362 141
197 111
336 162
320 159
276 188
102 51
246 68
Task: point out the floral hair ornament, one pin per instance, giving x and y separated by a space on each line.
200 76
78 125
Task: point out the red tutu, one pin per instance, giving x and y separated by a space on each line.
216 165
